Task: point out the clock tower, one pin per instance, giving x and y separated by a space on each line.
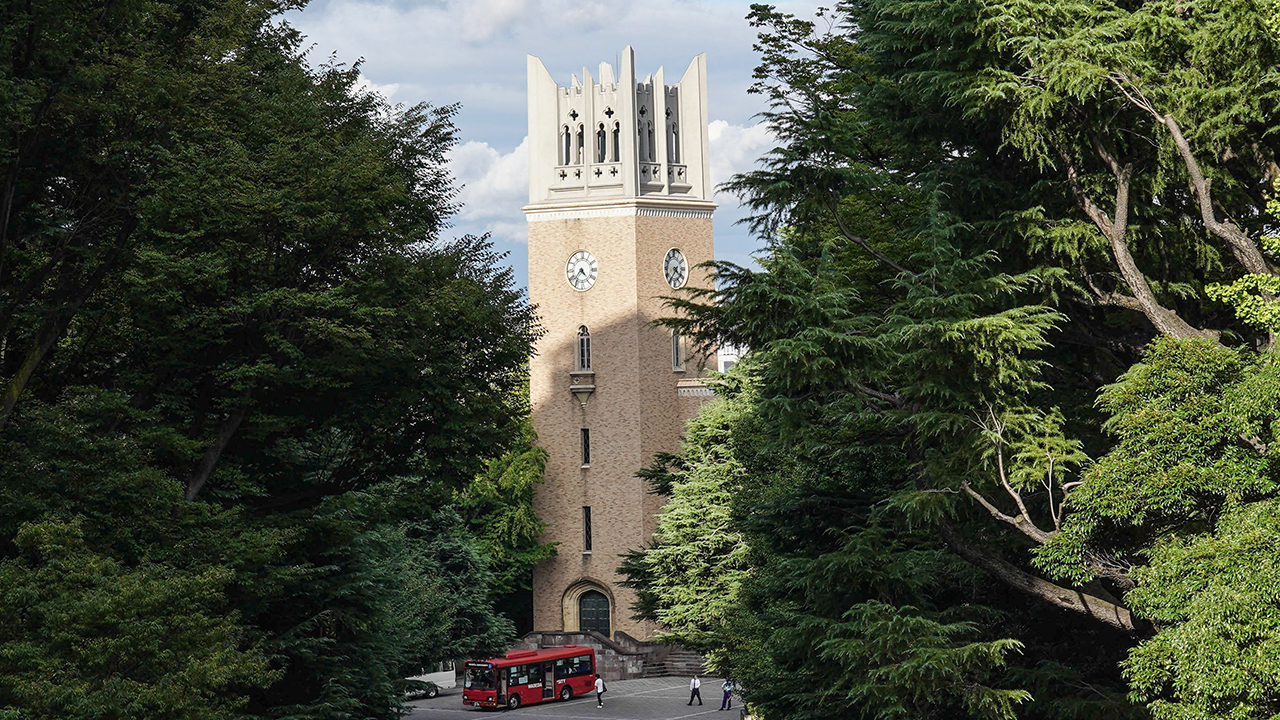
619 215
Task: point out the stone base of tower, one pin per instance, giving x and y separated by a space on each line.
622 657
562 588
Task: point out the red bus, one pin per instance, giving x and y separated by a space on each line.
522 677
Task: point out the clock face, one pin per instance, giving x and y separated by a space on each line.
675 268
581 270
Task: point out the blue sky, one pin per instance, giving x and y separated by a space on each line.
473 52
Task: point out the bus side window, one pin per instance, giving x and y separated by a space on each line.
521 675
562 668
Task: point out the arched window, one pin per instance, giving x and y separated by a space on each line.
582 139
593 612
584 348
653 148
640 141
617 141
566 145
673 149
677 351
600 143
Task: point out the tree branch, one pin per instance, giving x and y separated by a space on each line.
1254 442
59 318
204 470
1117 616
890 398
1112 614
1054 512
1112 299
1166 321
1242 246
861 241
1022 523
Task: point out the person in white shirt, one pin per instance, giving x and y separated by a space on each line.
694 684
727 702
599 691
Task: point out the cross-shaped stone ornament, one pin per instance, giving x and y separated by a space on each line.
573 114
608 112
577 174
598 172
613 171
563 175
668 112
643 110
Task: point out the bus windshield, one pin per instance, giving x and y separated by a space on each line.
479 679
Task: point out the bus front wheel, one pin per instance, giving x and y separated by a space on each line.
566 693
513 702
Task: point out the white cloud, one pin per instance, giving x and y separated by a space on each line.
495 187
473 52
385 91
482 20
445 51
735 149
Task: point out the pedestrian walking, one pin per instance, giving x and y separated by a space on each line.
727 702
600 691
694 684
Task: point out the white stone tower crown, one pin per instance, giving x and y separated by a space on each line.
613 137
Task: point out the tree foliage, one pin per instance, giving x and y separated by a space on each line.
244 377
979 217
498 506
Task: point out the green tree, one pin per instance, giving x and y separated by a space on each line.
498 507
1074 179
241 361
780 561
1216 655
1182 509
1069 179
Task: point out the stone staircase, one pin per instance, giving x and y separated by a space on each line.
677 662
623 657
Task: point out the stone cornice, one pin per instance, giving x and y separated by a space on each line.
619 207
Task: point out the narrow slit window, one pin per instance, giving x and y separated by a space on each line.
586 446
640 137
673 150
584 348
582 138
601 138
586 528
566 145
617 141
677 352
653 151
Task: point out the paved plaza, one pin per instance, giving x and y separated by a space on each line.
648 699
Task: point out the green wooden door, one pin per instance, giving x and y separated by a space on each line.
593 612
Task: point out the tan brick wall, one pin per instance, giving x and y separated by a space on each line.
634 411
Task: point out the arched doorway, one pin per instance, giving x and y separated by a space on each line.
593 612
